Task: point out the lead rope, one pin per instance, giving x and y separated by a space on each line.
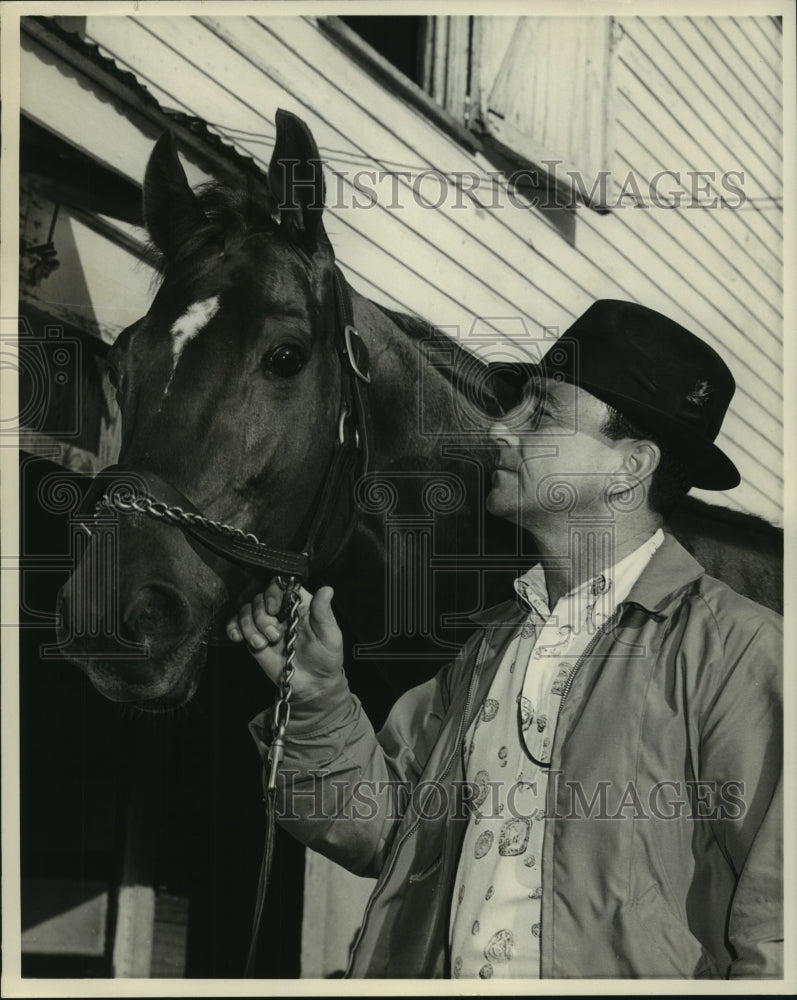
282 713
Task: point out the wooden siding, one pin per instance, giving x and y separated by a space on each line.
689 94
564 116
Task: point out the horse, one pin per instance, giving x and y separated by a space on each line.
233 394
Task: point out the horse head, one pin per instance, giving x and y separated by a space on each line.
229 390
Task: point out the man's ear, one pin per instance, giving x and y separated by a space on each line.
642 459
639 461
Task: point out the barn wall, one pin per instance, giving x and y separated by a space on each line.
688 94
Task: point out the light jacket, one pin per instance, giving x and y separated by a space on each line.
677 699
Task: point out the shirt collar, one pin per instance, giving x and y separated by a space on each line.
610 586
662 580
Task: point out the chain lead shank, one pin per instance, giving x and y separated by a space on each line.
282 709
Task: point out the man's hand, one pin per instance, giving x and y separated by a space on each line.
319 644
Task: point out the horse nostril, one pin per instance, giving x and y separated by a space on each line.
158 613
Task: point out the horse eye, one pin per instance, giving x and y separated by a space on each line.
285 360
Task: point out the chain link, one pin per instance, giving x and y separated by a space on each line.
126 500
282 710
129 501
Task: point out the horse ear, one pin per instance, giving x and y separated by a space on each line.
296 178
171 209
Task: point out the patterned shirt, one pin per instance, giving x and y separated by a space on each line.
495 917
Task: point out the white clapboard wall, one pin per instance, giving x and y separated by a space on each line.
687 94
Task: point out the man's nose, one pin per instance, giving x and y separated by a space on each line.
500 434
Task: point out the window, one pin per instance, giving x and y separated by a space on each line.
401 40
525 91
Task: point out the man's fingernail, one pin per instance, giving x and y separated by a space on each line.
234 633
271 605
258 642
272 633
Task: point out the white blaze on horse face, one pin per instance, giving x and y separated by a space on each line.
186 327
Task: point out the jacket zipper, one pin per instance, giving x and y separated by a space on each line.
590 646
413 829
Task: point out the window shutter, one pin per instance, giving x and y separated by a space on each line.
544 90
446 64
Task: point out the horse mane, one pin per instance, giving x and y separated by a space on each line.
467 370
419 329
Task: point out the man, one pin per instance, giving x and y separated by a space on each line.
592 787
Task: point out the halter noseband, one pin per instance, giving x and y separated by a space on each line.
350 458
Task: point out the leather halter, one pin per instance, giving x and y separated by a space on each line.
350 459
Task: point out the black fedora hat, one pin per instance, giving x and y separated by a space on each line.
657 374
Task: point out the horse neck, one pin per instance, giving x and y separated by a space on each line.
412 398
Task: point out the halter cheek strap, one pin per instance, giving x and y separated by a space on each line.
350 459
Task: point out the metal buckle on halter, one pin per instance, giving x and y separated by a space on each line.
349 333
345 413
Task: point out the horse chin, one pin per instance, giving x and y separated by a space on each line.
174 700
164 687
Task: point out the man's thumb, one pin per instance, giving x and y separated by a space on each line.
322 619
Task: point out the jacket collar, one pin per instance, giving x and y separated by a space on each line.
510 612
670 569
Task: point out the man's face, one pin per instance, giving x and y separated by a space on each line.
553 456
